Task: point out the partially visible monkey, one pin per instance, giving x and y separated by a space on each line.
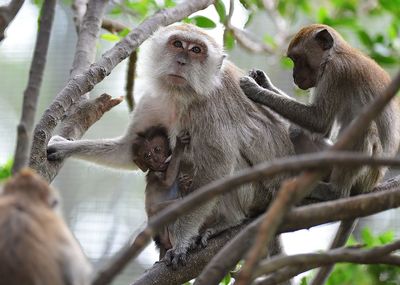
344 80
151 151
188 85
36 247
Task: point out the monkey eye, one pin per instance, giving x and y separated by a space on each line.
147 156
177 44
157 149
196 49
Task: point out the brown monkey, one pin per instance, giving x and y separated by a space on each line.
343 81
36 246
151 151
188 84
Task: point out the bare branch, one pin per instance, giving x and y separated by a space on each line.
7 14
79 9
347 254
31 93
300 218
113 26
200 196
303 185
233 249
130 81
83 83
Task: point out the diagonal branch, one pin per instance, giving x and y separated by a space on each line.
83 83
31 93
7 14
297 189
299 218
203 194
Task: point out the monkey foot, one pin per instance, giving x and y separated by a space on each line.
175 257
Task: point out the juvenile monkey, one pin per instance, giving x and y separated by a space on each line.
189 85
151 151
343 81
36 246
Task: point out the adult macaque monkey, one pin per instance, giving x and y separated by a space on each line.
36 246
343 80
188 85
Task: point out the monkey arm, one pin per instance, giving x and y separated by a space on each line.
173 167
310 117
115 152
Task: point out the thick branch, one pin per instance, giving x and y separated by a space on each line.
299 218
200 196
31 93
304 184
7 14
85 82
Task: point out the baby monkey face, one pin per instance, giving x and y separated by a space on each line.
155 153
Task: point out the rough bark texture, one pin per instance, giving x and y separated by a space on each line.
31 93
300 218
83 83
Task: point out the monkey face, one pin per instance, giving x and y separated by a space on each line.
308 53
154 153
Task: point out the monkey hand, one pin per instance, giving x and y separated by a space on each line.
261 78
57 148
184 184
177 256
183 138
251 88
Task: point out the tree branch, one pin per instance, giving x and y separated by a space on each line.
296 189
233 249
31 93
83 83
79 9
201 195
7 14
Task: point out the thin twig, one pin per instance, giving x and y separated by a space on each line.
130 81
303 185
32 91
287 267
7 14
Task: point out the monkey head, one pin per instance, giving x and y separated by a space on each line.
182 58
31 187
151 149
309 50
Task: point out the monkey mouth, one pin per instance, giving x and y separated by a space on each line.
176 79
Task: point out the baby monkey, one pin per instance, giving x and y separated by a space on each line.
151 152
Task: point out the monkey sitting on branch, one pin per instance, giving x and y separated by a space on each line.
36 247
151 152
343 82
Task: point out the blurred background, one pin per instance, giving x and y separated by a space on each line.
104 207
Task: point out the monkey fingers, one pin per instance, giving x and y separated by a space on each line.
261 78
251 88
176 256
184 137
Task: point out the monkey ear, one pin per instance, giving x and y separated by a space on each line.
141 165
324 39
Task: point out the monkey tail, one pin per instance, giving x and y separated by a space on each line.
345 229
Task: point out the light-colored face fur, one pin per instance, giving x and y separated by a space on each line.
183 60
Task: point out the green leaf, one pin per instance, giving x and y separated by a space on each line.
229 40
226 280
322 15
5 170
110 37
303 281
286 63
116 11
124 33
269 40
386 237
220 7
169 3
367 237
203 22
365 38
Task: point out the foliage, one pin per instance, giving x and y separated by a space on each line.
5 170
372 25
356 274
